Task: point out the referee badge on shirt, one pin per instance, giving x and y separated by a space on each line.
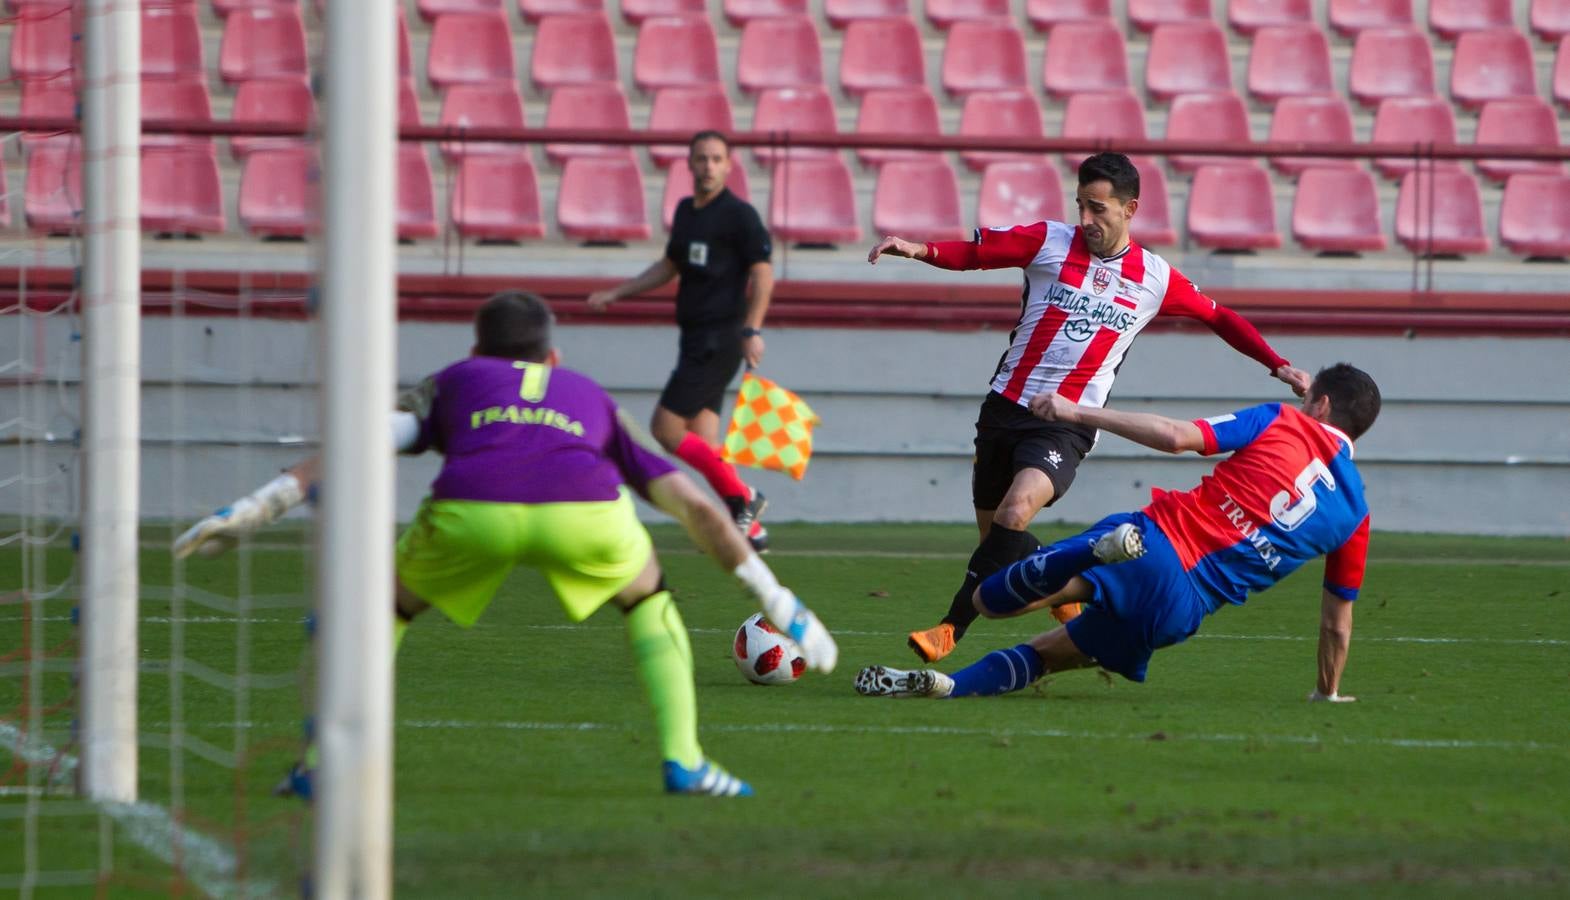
697 254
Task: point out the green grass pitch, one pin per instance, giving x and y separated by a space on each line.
526 764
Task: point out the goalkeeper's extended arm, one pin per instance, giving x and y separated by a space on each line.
717 535
219 531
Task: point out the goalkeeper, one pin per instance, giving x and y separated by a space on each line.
566 511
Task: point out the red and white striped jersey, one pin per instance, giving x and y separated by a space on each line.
1079 312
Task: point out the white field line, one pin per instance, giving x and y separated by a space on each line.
955 731
205 861
1363 639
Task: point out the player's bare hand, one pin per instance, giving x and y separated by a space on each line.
1296 378
600 300
1053 407
752 350
893 246
1318 697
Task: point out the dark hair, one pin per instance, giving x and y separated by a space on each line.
708 134
1113 167
514 325
1354 397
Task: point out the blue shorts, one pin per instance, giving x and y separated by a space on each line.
1139 606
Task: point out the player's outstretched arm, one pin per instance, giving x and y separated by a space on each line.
1335 635
658 273
221 530
715 534
1156 432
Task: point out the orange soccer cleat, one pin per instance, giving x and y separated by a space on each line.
934 643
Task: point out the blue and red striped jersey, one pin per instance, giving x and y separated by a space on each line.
1288 493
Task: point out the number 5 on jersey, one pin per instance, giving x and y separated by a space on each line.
1289 514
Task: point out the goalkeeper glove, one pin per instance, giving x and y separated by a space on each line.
785 611
220 531
1332 697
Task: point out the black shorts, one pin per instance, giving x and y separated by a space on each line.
1009 438
706 363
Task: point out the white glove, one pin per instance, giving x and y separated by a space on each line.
220 531
1316 697
785 611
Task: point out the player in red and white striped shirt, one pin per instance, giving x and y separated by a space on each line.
1089 291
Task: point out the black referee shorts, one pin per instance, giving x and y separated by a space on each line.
1009 438
705 364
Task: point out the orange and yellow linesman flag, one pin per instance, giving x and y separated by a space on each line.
770 429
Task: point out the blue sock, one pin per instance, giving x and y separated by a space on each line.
1039 575
999 672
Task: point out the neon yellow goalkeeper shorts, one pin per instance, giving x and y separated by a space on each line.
456 553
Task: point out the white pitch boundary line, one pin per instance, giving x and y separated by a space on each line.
207 862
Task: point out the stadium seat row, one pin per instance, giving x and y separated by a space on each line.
496 196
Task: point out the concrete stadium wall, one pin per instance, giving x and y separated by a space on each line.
1474 437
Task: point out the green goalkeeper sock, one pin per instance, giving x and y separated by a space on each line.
400 625
664 657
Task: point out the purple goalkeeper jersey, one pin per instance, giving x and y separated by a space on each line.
517 432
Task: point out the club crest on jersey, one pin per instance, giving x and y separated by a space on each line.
1101 280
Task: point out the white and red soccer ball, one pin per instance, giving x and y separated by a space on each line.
765 655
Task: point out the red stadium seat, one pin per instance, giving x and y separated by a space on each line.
801 110
812 201
1524 122
675 52
430 9
587 106
1147 14
1248 16
1206 117
273 102
1152 223
172 43
1534 218
678 186
944 13
416 213
689 109
266 42
1187 58
53 98
1232 208
601 200
408 103
1452 18
1444 217
1288 61
175 100
569 50
1044 15
1336 210
984 55
1085 56
1412 121
909 111
535 10
779 53
841 13
998 114
180 189
1550 19
918 199
1111 115
1492 65
1390 62
278 192
635 11
1019 191
881 53
52 194
740 12
495 104
496 197
470 49
42 45
1561 86
1352 16
224 7
1311 120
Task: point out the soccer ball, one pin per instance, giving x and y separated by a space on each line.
765 655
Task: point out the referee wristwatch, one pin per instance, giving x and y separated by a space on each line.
751 332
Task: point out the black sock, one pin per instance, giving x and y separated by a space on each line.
1001 547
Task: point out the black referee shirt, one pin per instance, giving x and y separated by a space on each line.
713 249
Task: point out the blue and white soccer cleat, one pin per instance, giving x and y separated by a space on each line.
886 681
1121 544
707 779
297 783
